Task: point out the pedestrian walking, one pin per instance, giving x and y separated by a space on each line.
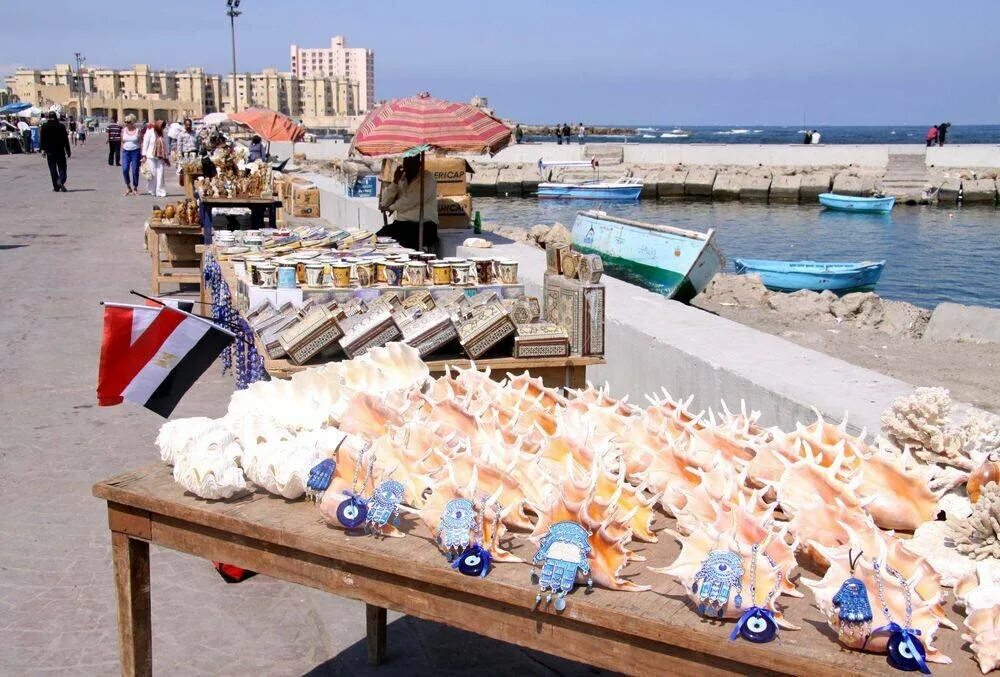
154 153
114 131
25 130
72 129
943 132
582 132
518 133
131 140
81 132
567 132
932 135
55 145
559 135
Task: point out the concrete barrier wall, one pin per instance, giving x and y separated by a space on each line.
319 150
972 155
343 211
654 343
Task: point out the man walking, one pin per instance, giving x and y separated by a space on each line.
114 142
25 130
943 132
566 132
55 144
582 132
72 128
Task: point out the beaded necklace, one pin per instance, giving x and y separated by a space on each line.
757 623
905 650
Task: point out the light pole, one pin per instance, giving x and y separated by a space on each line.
233 12
79 76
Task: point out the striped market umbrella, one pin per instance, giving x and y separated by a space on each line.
401 124
269 124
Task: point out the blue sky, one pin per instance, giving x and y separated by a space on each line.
642 61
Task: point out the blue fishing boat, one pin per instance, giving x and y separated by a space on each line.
815 275
626 188
849 203
675 262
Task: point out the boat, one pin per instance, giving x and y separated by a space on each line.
790 276
625 188
675 262
849 203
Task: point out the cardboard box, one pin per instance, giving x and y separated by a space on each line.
305 210
455 211
578 308
306 194
450 174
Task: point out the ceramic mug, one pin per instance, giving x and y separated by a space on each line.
365 270
394 273
380 270
507 271
460 271
286 276
415 274
341 274
314 274
441 272
268 273
484 270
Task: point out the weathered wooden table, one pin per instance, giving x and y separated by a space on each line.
174 259
258 206
651 633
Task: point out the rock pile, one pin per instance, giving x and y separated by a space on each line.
538 235
859 309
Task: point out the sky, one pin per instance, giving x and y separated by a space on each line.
670 62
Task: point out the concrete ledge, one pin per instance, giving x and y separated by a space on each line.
484 181
343 211
955 322
671 183
755 187
654 343
979 191
948 191
509 182
699 183
813 185
785 188
845 184
727 186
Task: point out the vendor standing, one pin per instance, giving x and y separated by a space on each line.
402 196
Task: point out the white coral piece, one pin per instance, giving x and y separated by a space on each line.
210 474
978 535
176 436
921 421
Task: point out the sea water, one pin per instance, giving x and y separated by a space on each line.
932 254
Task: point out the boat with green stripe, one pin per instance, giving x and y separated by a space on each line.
675 262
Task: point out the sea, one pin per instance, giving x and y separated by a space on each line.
932 254
888 134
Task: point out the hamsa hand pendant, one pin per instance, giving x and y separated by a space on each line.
563 553
720 572
383 506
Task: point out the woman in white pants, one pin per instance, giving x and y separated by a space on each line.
154 151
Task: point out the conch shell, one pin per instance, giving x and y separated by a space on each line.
983 636
211 474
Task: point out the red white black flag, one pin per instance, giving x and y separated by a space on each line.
152 355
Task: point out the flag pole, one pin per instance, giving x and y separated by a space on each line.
226 327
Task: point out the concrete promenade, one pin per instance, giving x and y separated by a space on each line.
60 254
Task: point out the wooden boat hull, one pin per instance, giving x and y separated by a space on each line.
583 191
789 276
848 203
671 261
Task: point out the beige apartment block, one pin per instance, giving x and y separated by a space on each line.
352 64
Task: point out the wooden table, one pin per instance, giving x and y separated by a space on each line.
652 633
168 267
254 204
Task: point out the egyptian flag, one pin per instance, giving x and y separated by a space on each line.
152 355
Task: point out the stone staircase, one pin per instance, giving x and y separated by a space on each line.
906 177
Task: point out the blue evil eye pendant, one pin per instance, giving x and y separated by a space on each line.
458 520
563 552
320 477
383 506
906 651
352 512
756 625
720 573
853 609
474 561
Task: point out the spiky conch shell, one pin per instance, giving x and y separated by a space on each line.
926 594
738 531
983 636
980 588
896 490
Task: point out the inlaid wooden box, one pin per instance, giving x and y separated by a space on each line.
487 327
431 331
578 308
542 339
315 332
371 330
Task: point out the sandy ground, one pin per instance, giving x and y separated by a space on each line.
970 371
60 254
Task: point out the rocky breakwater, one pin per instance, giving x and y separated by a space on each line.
964 186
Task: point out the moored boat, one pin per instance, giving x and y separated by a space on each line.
626 188
840 277
675 262
850 203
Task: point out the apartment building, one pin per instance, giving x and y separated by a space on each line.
352 64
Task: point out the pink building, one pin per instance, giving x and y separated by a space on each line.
353 64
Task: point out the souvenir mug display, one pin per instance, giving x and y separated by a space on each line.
341 274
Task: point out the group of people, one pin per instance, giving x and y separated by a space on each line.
563 133
937 134
812 136
130 145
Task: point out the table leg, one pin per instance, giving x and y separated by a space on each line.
135 640
154 254
376 632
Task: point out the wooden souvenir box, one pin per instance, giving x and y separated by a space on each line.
370 330
579 309
430 331
544 339
488 326
311 335
553 256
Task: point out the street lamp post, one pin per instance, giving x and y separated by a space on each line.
79 77
233 11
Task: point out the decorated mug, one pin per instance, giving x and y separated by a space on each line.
341 274
314 274
507 271
441 272
286 276
415 274
460 272
380 270
268 273
484 270
365 270
394 273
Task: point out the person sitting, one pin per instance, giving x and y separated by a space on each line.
256 149
932 135
402 196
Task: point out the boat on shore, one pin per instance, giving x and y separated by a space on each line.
675 262
789 276
625 188
850 203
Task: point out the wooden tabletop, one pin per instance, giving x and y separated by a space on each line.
238 201
501 365
654 632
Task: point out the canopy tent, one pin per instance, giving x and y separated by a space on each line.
270 125
214 119
15 107
419 123
32 112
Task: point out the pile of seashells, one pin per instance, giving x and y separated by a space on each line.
816 496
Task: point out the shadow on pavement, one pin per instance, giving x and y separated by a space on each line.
419 647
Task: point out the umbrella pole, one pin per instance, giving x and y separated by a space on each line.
420 223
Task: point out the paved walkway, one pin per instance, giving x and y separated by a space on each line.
60 254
